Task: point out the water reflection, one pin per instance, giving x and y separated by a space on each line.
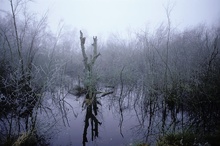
91 116
117 119
97 122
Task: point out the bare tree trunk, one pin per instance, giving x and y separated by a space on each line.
89 78
18 43
90 81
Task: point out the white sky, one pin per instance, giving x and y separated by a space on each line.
101 17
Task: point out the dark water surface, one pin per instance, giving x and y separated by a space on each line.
122 119
109 131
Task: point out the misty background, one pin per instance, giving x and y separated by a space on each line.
103 17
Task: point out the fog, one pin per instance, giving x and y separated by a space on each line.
102 17
109 72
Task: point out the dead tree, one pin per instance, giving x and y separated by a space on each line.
90 79
89 82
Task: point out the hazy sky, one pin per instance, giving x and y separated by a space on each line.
104 16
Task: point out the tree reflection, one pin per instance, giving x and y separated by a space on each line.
91 116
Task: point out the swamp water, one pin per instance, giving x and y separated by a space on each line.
109 130
116 126
123 118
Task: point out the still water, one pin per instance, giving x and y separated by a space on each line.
125 117
113 130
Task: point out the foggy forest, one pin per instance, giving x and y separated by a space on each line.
69 87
